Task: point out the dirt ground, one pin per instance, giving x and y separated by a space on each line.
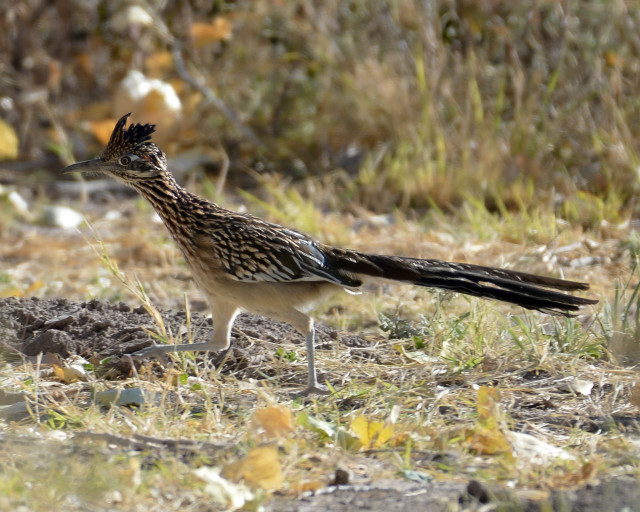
400 495
98 330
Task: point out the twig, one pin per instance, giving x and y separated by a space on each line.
222 178
211 97
141 443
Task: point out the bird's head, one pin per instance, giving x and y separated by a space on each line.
130 156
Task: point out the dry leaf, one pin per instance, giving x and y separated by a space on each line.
8 141
274 421
159 63
260 468
578 477
489 411
613 59
530 450
488 436
207 33
68 374
416 356
33 288
488 441
311 486
222 491
372 434
580 386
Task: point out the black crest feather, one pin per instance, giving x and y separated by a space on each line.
127 140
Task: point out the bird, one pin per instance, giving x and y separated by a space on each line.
244 263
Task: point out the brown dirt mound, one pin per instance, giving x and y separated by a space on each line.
99 330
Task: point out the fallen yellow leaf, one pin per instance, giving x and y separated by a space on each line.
8 141
488 435
488 441
34 287
372 434
489 411
578 477
260 468
312 485
274 421
68 374
613 60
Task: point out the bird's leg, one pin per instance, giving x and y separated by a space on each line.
223 316
312 383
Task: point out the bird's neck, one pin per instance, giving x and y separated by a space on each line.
177 207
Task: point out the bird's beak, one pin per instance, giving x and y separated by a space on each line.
94 165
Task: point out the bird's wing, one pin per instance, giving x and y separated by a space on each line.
261 251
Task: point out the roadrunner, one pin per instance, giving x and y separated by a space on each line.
242 262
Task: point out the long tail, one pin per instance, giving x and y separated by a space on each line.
530 291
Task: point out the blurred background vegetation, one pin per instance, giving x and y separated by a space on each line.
492 131
381 105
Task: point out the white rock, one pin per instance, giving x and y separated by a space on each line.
18 202
132 16
62 217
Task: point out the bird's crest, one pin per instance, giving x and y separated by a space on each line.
127 140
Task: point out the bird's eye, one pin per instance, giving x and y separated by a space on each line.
124 160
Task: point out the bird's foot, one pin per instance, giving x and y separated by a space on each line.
221 358
313 388
157 351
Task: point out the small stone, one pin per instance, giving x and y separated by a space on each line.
341 477
62 217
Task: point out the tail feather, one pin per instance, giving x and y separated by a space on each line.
530 291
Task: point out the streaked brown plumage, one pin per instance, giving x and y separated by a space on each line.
243 262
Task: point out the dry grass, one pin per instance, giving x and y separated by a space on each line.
419 376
